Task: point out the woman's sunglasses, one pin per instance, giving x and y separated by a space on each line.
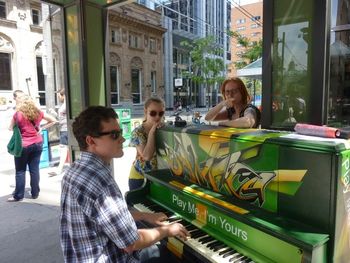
114 134
153 113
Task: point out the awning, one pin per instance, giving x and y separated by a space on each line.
253 70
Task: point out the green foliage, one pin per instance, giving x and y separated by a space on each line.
206 60
251 53
207 64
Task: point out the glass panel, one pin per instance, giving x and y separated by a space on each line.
73 62
291 62
2 9
153 81
339 92
5 71
35 17
114 85
135 86
41 80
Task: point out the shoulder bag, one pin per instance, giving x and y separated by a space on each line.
14 146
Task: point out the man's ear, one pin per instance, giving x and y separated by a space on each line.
90 141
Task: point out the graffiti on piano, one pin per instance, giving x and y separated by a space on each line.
214 165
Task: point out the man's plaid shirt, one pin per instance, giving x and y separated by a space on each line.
95 223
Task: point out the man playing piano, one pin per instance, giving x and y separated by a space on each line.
95 223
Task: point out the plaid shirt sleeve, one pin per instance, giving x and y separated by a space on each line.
114 218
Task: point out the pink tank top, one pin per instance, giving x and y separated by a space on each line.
29 134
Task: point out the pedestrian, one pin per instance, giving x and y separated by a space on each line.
95 223
62 120
235 110
143 138
17 94
28 117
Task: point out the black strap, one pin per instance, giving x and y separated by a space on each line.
231 112
35 126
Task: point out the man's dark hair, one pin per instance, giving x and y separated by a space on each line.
89 123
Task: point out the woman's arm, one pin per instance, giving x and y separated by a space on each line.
146 151
217 113
50 121
247 121
12 123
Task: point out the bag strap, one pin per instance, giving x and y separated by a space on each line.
32 122
35 126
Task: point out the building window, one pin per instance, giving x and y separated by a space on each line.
136 86
134 40
5 71
254 34
115 84
240 21
2 9
254 26
241 28
256 18
41 80
115 35
152 45
153 81
36 16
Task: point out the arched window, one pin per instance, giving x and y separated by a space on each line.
6 53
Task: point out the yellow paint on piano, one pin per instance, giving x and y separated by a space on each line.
175 246
209 198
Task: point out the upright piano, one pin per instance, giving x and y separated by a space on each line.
251 195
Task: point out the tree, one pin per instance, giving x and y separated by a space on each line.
252 51
207 63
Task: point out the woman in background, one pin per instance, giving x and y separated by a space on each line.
28 118
143 138
62 120
235 110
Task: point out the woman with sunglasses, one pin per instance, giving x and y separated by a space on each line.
143 138
234 110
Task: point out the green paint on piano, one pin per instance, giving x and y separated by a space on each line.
258 234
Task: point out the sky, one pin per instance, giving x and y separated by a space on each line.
245 2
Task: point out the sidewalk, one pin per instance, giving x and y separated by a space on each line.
29 230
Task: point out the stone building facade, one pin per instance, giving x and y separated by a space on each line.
135 49
135 55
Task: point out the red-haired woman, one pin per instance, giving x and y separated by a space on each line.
235 110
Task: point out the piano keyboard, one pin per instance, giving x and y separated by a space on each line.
207 247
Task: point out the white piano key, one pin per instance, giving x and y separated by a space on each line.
200 248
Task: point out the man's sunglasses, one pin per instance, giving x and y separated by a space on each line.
114 134
153 113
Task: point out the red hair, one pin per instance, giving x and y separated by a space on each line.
241 87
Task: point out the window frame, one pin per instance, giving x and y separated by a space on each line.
117 83
33 15
139 86
9 73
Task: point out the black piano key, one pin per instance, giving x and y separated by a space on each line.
190 227
210 242
206 239
213 245
244 260
224 251
236 258
229 253
194 232
218 247
198 234
202 238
